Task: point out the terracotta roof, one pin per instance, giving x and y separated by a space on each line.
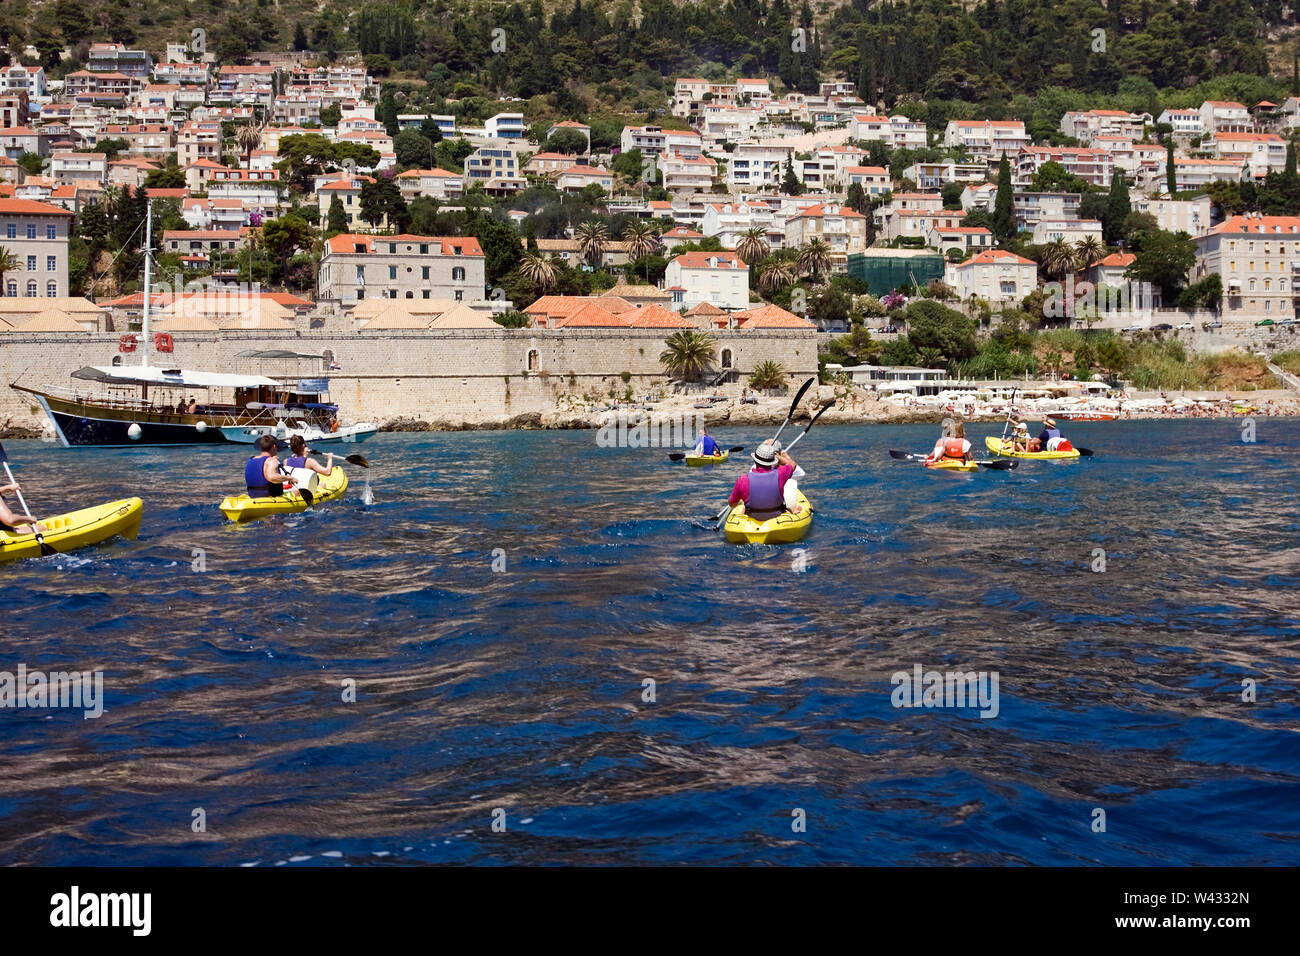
705 260
1116 259
30 207
706 308
591 315
656 317
771 317
347 243
995 257
1265 225
51 320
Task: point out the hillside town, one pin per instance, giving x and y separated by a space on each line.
291 192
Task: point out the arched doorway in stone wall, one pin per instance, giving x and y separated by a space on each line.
727 361
534 362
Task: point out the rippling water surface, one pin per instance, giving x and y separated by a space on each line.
523 689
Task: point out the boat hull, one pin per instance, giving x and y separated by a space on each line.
88 424
76 529
347 434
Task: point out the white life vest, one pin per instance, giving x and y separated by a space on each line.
305 478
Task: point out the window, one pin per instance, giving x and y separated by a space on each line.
392 272
11 231
534 362
51 263
392 293
392 248
424 272
424 251
31 230
31 289
51 290
424 294
361 275
458 273
50 232
31 263
459 295
12 291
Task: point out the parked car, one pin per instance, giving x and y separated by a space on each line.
1162 327
1185 325
1289 322
1263 322
1131 328
1214 325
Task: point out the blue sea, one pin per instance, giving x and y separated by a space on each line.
528 649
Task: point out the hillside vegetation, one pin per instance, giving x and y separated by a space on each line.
937 59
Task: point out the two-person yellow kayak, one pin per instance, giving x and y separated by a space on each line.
699 461
996 445
783 529
243 508
76 529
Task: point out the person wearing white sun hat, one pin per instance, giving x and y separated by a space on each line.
770 487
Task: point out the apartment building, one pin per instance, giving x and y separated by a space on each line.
1199 173
29 80
842 229
1031 208
653 140
1258 260
965 238
1184 122
254 188
67 167
198 141
684 173
1065 230
1219 116
193 242
986 139
1262 153
497 162
357 267
896 132
755 166
506 126
1191 216
37 234
1087 125
728 222
146 139
578 176
874 180
994 275
1093 166
937 175
435 183
719 278
117 58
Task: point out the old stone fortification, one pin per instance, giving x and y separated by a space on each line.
458 377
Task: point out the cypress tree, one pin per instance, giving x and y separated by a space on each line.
1117 206
338 218
1290 161
1004 212
1171 179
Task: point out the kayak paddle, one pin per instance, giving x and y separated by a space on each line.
813 422
678 455
798 396
350 459
46 550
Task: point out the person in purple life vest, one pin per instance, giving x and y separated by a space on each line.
705 445
262 475
770 487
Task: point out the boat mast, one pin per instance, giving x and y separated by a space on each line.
148 247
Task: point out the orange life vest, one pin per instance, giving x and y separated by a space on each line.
954 448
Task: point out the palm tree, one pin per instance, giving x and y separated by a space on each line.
753 245
9 262
815 257
592 238
767 374
538 269
688 354
642 239
1089 250
776 276
249 138
1057 258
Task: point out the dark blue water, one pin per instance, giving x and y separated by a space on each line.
523 689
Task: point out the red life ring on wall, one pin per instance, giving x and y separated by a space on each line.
127 343
162 341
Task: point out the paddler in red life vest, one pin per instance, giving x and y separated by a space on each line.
952 444
1051 439
262 475
771 486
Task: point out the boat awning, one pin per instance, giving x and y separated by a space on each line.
176 377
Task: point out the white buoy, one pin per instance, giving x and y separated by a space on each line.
134 432
200 426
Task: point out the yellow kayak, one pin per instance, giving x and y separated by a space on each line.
995 446
76 529
243 508
952 464
784 528
698 461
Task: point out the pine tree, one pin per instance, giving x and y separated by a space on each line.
1171 177
1117 206
1004 211
790 184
